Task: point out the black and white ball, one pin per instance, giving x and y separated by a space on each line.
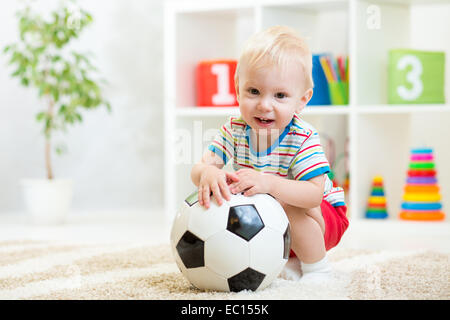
243 244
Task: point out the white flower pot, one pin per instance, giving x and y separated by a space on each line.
48 201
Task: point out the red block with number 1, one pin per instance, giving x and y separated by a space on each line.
215 83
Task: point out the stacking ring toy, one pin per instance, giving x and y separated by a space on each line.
421 198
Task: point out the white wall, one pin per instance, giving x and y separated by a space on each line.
115 159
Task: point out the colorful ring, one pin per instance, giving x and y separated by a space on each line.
377 200
376 210
421 206
421 180
376 205
421 165
422 215
371 215
419 188
378 179
379 193
422 157
422 197
421 173
421 150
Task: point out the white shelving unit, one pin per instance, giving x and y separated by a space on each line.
380 135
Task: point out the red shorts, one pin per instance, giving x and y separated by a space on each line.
336 223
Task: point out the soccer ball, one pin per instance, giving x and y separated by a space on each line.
241 245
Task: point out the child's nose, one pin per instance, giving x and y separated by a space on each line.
265 104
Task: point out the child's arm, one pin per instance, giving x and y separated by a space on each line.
304 194
209 177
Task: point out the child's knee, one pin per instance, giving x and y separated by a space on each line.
316 214
293 212
297 215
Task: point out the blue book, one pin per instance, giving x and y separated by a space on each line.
321 94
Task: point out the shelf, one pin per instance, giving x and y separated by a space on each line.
315 6
406 24
411 2
389 109
234 111
374 135
319 110
208 5
324 110
207 111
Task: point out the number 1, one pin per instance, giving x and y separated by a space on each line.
223 95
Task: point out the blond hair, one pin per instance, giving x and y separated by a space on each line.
276 45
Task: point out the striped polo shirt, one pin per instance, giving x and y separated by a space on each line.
297 154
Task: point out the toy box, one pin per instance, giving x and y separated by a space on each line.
416 76
215 83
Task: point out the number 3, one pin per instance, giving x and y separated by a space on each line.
412 77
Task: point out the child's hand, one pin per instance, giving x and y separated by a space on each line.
250 181
216 181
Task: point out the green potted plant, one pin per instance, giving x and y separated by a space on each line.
64 80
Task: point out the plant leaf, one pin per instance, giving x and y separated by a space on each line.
40 116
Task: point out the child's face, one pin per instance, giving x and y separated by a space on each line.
269 96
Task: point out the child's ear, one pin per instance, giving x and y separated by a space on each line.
305 99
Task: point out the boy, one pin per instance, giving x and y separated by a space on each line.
274 151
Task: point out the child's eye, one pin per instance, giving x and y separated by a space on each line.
280 95
253 91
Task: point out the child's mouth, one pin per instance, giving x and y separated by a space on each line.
264 121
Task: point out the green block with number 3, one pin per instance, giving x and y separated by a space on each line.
416 76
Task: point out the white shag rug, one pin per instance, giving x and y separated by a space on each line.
44 270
